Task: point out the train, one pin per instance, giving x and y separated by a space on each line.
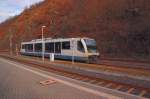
80 49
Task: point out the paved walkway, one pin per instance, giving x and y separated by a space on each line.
18 81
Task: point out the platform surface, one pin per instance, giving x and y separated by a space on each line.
18 81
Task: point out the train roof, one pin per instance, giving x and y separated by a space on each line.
55 40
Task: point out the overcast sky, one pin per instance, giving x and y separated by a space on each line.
9 8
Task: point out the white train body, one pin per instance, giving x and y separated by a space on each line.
79 49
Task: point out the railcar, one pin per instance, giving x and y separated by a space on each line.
78 49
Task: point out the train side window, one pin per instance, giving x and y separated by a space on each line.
49 47
66 45
38 47
23 46
28 47
80 46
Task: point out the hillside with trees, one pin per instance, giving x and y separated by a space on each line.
120 27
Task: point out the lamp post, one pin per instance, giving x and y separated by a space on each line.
43 45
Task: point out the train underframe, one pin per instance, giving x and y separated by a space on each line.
90 59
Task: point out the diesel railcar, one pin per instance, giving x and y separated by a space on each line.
80 49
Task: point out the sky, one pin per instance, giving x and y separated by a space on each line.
9 8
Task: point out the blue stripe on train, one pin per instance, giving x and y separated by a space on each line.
66 57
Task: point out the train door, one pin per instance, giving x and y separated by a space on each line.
57 47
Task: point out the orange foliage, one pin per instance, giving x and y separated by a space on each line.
104 20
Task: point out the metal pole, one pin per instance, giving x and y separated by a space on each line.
72 51
73 56
16 50
43 47
10 39
54 47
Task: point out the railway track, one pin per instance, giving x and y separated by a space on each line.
141 67
126 88
116 63
127 60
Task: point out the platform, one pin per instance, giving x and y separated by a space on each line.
18 81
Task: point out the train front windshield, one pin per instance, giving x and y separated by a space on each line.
91 45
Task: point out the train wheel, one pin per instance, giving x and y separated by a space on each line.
93 60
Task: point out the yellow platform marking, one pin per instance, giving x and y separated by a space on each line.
142 93
108 85
119 87
130 90
100 82
48 82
